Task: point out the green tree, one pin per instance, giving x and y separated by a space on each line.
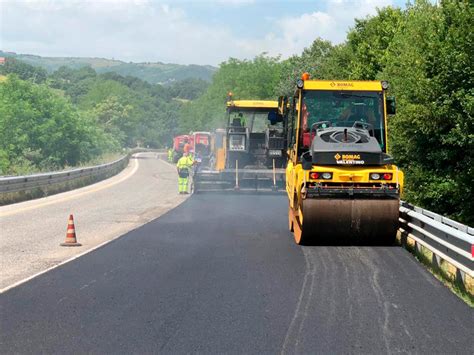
189 89
40 129
368 43
313 60
23 71
114 117
432 74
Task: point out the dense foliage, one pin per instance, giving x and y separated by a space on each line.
431 70
42 129
24 71
66 118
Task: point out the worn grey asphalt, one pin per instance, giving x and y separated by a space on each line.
30 232
221 274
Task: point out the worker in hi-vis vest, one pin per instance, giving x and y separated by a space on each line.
170 154
184 166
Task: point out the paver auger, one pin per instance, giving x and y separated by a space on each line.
341 183
249 154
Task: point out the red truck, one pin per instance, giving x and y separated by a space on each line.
199 144
178 145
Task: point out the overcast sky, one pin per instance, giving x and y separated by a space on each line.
185 32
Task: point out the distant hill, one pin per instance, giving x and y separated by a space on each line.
154 73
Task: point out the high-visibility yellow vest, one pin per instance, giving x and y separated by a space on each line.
185 162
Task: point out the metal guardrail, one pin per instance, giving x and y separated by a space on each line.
445 238
29 182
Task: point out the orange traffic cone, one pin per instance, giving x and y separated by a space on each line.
71 234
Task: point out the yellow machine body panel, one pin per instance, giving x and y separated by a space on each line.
219 148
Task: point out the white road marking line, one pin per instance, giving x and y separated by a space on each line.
79 194
18 283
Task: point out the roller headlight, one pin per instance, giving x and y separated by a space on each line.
300 84
374 176
326 176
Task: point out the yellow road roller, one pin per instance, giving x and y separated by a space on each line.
342 185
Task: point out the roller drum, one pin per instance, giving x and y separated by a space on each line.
360 221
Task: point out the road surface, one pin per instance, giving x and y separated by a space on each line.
222 274
30 232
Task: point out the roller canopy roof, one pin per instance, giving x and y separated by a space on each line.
349 85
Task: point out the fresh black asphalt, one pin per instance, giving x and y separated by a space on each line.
222 274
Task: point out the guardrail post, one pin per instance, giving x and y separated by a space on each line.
435 261
460 277
418 247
